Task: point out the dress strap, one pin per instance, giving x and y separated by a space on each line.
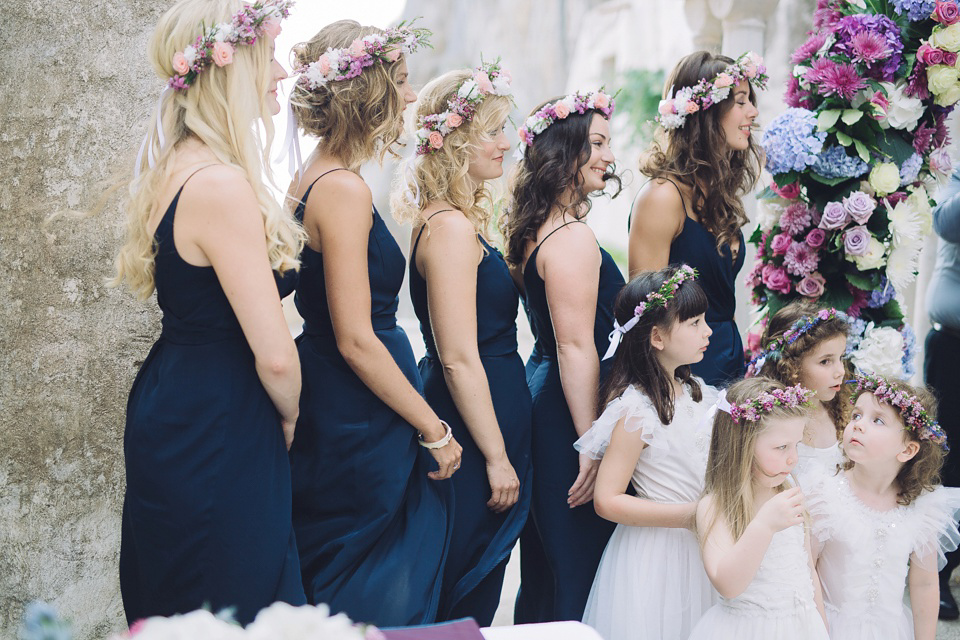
416 243
176 199
677 187
536 249
306 194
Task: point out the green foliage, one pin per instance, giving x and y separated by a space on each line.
639 99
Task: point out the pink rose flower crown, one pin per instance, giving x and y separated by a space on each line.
791 335
754 409
218 43
915 417
349 62
489 79
550 113
675 108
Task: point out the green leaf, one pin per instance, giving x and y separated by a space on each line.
755 236
861 280
830 182
862 150
837 297
844 139
783 179
767 194
892 310
891 144
828 118
851 116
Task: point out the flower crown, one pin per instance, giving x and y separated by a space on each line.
752 410
348 62
911 410
488 79
659 298
218 43
791 335
674 109
550 113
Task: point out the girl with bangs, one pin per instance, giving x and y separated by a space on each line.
701 164
372 520
569 284
467 304
206 514
652 436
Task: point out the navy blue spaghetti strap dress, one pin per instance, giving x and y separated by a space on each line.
372 528
482 540
560 548
206 515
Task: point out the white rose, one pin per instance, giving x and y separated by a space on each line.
501 86
190 53
467 89
872 259
948 97
223 31
947 38
880 352
768 214
904 112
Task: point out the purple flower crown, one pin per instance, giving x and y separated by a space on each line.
752 410
911 410
550 113
218 43
791 335
674 109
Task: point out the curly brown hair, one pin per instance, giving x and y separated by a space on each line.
920 473
786 367
697 153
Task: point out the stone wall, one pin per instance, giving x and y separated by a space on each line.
74 95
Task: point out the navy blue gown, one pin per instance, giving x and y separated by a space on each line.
372 528
206 515
560 548
482 540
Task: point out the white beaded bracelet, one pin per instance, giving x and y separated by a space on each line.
442 442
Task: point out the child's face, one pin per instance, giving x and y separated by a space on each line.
687 341
775 451
875 433
821 369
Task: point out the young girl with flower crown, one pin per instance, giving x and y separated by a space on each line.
884 521
804 344
750 520
651 583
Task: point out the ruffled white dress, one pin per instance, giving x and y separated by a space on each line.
864 559
777 604
813 463
651 583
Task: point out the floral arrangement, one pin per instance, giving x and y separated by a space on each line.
853 160
550 113
218 43
911 410
343 64
791 335
752 410
488 79
674 109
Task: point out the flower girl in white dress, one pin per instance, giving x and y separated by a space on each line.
883 521
751 523
650 583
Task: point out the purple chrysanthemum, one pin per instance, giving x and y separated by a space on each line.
867 47
801 260
796 96
841 80
848 27
826 15
808 48
796 219
923 137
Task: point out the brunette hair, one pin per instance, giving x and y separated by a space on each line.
549 167
697 153
921 472
786 366
635 362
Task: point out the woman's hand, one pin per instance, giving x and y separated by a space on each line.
448 458
504 484
582 490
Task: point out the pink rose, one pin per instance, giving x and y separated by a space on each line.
692 107
812 285
561 110
753 278
666 107
323 62
750 70
222 53
602 101
271 27
754 341
776 278
393 54
483 82
723 80
816 238
453 121
180 65
436 139
949 58
930 55
788 192
780 244
946 12
357 48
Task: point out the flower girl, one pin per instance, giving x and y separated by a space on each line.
650 582
751 523
883 521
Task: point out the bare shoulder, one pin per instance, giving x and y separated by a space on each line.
341 189
220 193
450 224
573 244
658 197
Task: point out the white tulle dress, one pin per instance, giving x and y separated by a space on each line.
778 604
864 555
651 583
813 462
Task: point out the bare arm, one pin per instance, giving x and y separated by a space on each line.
611 500
448 257
817 585
656 219
341 221
924 599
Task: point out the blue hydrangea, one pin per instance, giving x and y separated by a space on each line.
857 327
41 622
910 169
834 162
792 142
909 350
882 294
916 10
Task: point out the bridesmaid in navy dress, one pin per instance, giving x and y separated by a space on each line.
206 515
372 519
467 305
569 284
691 210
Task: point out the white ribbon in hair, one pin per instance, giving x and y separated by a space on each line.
145 145
410 178
721 404
290 149
617 335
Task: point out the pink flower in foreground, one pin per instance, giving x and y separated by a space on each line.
222 53
601 101
816 238
808 48
946 12
271 27
776 279
436 139
801 259
393 54
180 65
796 219
787 192
357 48
842 80
869 47
812 285
454 120
561 110
483 82
780 244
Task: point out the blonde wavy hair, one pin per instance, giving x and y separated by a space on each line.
442 175
729 477
219 109
356 119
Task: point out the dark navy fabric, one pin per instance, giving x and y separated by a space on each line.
206 515
560 547
482 540
372 528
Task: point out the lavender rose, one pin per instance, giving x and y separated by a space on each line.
860 206
834 216
816 238
812 285
856 240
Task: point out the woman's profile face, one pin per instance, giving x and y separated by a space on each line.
593 171
407 94
486 163
737 123
277 73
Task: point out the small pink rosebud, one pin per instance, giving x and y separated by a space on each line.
454 120
483 82
324 63
723 80
357 48
393 54
692 107
222 53
601 100
180 65
436 139
561 110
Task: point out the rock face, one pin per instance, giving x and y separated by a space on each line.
74 98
